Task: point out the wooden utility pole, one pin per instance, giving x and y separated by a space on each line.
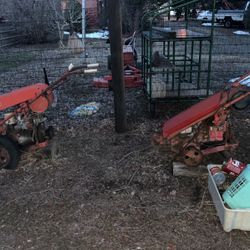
116 47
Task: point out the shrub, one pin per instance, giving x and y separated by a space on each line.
35 19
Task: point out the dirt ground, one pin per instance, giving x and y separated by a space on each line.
111 191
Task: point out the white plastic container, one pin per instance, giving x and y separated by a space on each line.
229 218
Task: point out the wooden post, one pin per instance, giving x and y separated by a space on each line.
116 47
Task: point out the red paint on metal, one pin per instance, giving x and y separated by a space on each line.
130 82
128 55
41 145
41 104
26 94
216 135
132 79
194 114
217 149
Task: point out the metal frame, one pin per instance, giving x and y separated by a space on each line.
187 66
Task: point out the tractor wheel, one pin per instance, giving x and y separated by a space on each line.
192 156
9 153
228 23
243 104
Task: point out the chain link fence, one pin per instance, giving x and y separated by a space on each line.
22 64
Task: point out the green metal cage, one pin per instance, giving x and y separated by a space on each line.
176 54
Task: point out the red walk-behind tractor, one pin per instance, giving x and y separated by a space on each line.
25 124
204 128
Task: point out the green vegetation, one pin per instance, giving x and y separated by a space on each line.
12 60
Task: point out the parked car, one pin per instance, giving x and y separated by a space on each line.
205 16
237 16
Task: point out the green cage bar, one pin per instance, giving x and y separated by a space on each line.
185 49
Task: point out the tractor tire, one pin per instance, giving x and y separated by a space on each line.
9 153
243 104
228 23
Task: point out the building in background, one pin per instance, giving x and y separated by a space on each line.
92 13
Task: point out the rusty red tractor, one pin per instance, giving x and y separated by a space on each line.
204 128
25 124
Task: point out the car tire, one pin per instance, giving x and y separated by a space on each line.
228 23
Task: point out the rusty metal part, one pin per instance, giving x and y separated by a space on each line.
192 156
158 139
4 157
37 146
226 147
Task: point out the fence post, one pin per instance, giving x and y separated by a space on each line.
116 47
83 23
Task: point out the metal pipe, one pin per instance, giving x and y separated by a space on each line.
211 49
83 23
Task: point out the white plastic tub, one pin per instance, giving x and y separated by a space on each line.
229 218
